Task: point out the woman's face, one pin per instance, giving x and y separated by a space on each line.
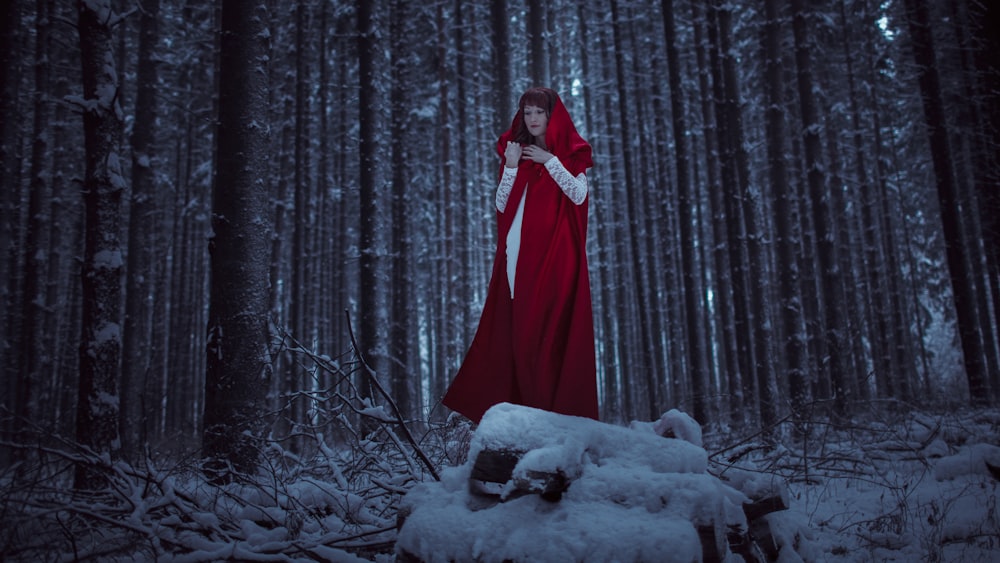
536 120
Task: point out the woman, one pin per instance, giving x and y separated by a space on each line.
535 341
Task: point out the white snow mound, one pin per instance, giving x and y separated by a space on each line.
633 496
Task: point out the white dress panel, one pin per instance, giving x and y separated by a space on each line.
575 189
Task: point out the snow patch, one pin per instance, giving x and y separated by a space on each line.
108 259
506 424
107 332
673 424
632 496
971 460
378 413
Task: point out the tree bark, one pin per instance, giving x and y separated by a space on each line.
368 122
461 258
786 217
647 362
609 205
399 340
843 243
100 342
188 265
892 379
139 396
972 177
239 348
302 294
687 202
324 189
10 190
832 321
986 20
501 61
708 68
538 71
731 211
962 283
756 269
34 359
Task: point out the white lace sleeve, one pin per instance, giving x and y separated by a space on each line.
574 188
506 185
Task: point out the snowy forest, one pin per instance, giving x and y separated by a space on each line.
246 243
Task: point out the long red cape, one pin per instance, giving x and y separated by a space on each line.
537 349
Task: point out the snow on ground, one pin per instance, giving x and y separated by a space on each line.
915 488
912 489
908 486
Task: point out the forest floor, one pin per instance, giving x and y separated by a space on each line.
906 486
901 486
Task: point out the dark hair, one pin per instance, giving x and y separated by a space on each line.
544 98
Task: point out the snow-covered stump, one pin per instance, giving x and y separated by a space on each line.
540 486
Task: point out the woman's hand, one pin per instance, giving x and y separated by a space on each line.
536 154
512 154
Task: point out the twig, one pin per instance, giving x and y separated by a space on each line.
392 403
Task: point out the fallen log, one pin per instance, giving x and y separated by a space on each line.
773 502
493 475
585 491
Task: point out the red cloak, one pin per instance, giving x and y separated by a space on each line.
538 348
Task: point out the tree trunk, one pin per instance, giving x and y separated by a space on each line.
501 61
832 321
657 216
904 345
844 242
60 326
729 355
100 342
399 341
10 190
687 202
664 268
283 273
986 18
610 205
139 397
187 308
368 122
343 230
970 178
11 58
34 359
731 212
962 283
448 330
755 270
301 296
604 324
647 363
325 308
457 311
892 379
786 217
538 71
239 349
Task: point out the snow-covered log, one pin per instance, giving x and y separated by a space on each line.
540 486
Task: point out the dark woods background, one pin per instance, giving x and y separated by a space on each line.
794 204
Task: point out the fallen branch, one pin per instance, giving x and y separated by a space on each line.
392 403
